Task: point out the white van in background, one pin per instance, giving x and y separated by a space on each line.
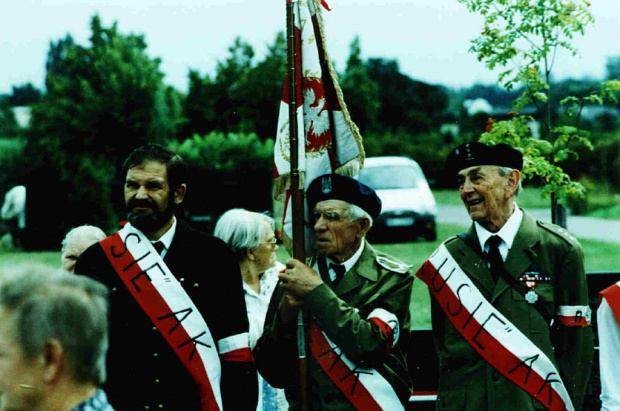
408 208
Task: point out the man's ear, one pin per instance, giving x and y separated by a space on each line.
249 255
512 183
364 227
179 194
53 360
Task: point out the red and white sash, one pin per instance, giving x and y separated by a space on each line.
365 388
166 303
612 296
490 333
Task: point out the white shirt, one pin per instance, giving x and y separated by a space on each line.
347 264
609 357
14 206
167 238
257 304
507 233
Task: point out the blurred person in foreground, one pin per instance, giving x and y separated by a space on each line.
510 308
75 242
608 322
251 237
178 327
53 342
356 301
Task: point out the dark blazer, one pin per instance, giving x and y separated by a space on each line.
143 371
375 281
466 381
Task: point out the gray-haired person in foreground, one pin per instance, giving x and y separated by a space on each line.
53 341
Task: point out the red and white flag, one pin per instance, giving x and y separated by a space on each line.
329 142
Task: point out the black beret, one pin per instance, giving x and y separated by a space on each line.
339 187
478 154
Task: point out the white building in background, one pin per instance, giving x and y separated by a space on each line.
477 105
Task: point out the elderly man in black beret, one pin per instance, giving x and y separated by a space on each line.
356 302
510 301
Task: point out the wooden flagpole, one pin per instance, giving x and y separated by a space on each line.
297 193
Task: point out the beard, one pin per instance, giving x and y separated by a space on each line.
152 221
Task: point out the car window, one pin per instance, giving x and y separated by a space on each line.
390 177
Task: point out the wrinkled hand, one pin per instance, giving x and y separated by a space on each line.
298 280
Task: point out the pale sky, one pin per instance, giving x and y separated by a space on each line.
429 38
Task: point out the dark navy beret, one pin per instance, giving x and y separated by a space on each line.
479 154
339 187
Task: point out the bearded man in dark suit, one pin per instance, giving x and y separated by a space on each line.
178 327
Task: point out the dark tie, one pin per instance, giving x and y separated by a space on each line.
340 271
159 247
494 257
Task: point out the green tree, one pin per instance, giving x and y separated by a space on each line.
102 101
260 91
405 104
8 123
360 91
214 104
521 39
25 95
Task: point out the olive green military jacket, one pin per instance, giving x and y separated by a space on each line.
466 381
375 281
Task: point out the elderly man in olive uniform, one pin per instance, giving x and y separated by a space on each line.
356 302
510 302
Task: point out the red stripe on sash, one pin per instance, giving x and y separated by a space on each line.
496 354
240 355
387 331
337 371
156 307
573 321
612 296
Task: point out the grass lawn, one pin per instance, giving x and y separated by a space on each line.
599 256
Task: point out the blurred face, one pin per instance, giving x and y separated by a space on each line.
336 236
148 198
21 379
265 254
72 252
487 195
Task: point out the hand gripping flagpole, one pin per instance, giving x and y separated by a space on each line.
297 193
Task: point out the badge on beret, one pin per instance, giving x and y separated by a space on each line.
326 185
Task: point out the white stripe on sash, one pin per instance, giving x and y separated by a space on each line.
574 315
364 387
490 333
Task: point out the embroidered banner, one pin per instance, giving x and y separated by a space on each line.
166 303
491 334
365 388
329 141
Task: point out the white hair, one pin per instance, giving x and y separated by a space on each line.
242 230
504 171
355 213
84 233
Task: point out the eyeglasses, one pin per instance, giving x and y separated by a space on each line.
273 241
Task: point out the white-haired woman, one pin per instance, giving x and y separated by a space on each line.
75 242
251 237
